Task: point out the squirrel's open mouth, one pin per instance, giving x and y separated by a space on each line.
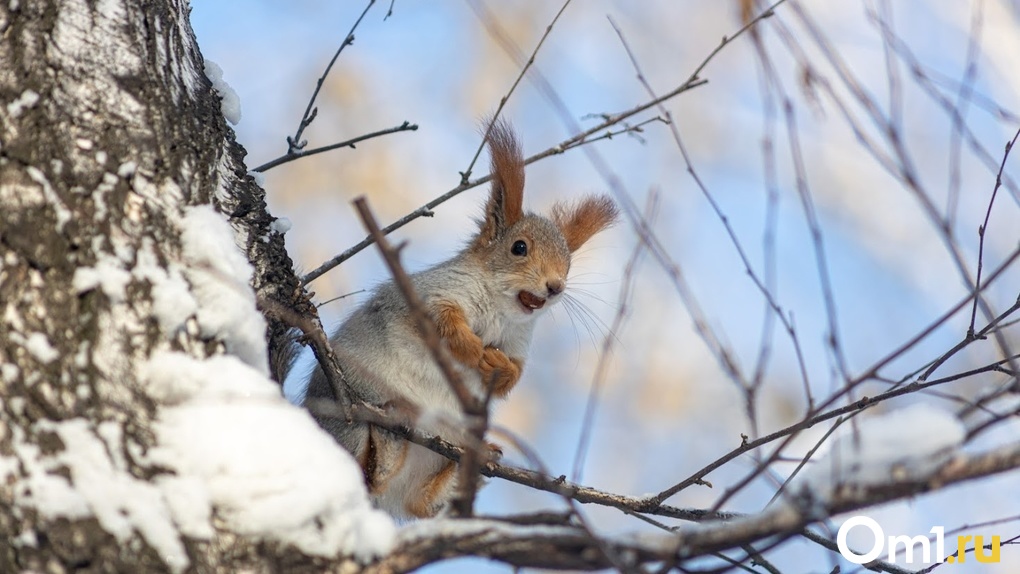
529 301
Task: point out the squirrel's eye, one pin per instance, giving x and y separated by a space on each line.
519 248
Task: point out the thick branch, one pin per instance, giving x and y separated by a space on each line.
567 546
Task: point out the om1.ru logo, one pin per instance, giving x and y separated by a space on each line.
909 544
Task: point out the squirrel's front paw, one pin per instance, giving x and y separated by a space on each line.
498 371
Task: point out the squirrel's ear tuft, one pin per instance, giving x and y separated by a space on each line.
506 198
580 221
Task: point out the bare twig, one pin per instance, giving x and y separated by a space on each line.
339 297
809 421
786 517
426 210
770 87
903 167
984 226
582 137
748 387
931 79
963 99
294 143
465 175
299 153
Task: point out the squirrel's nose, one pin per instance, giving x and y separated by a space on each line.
554 287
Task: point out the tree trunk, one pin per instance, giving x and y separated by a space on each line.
109 130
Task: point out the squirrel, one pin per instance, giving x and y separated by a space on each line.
484 302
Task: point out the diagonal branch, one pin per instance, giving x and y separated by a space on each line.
295 154
474 410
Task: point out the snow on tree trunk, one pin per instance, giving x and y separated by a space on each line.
139 430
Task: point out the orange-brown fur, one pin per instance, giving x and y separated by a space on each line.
464 344
499 371
579 222
505 205
425 505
